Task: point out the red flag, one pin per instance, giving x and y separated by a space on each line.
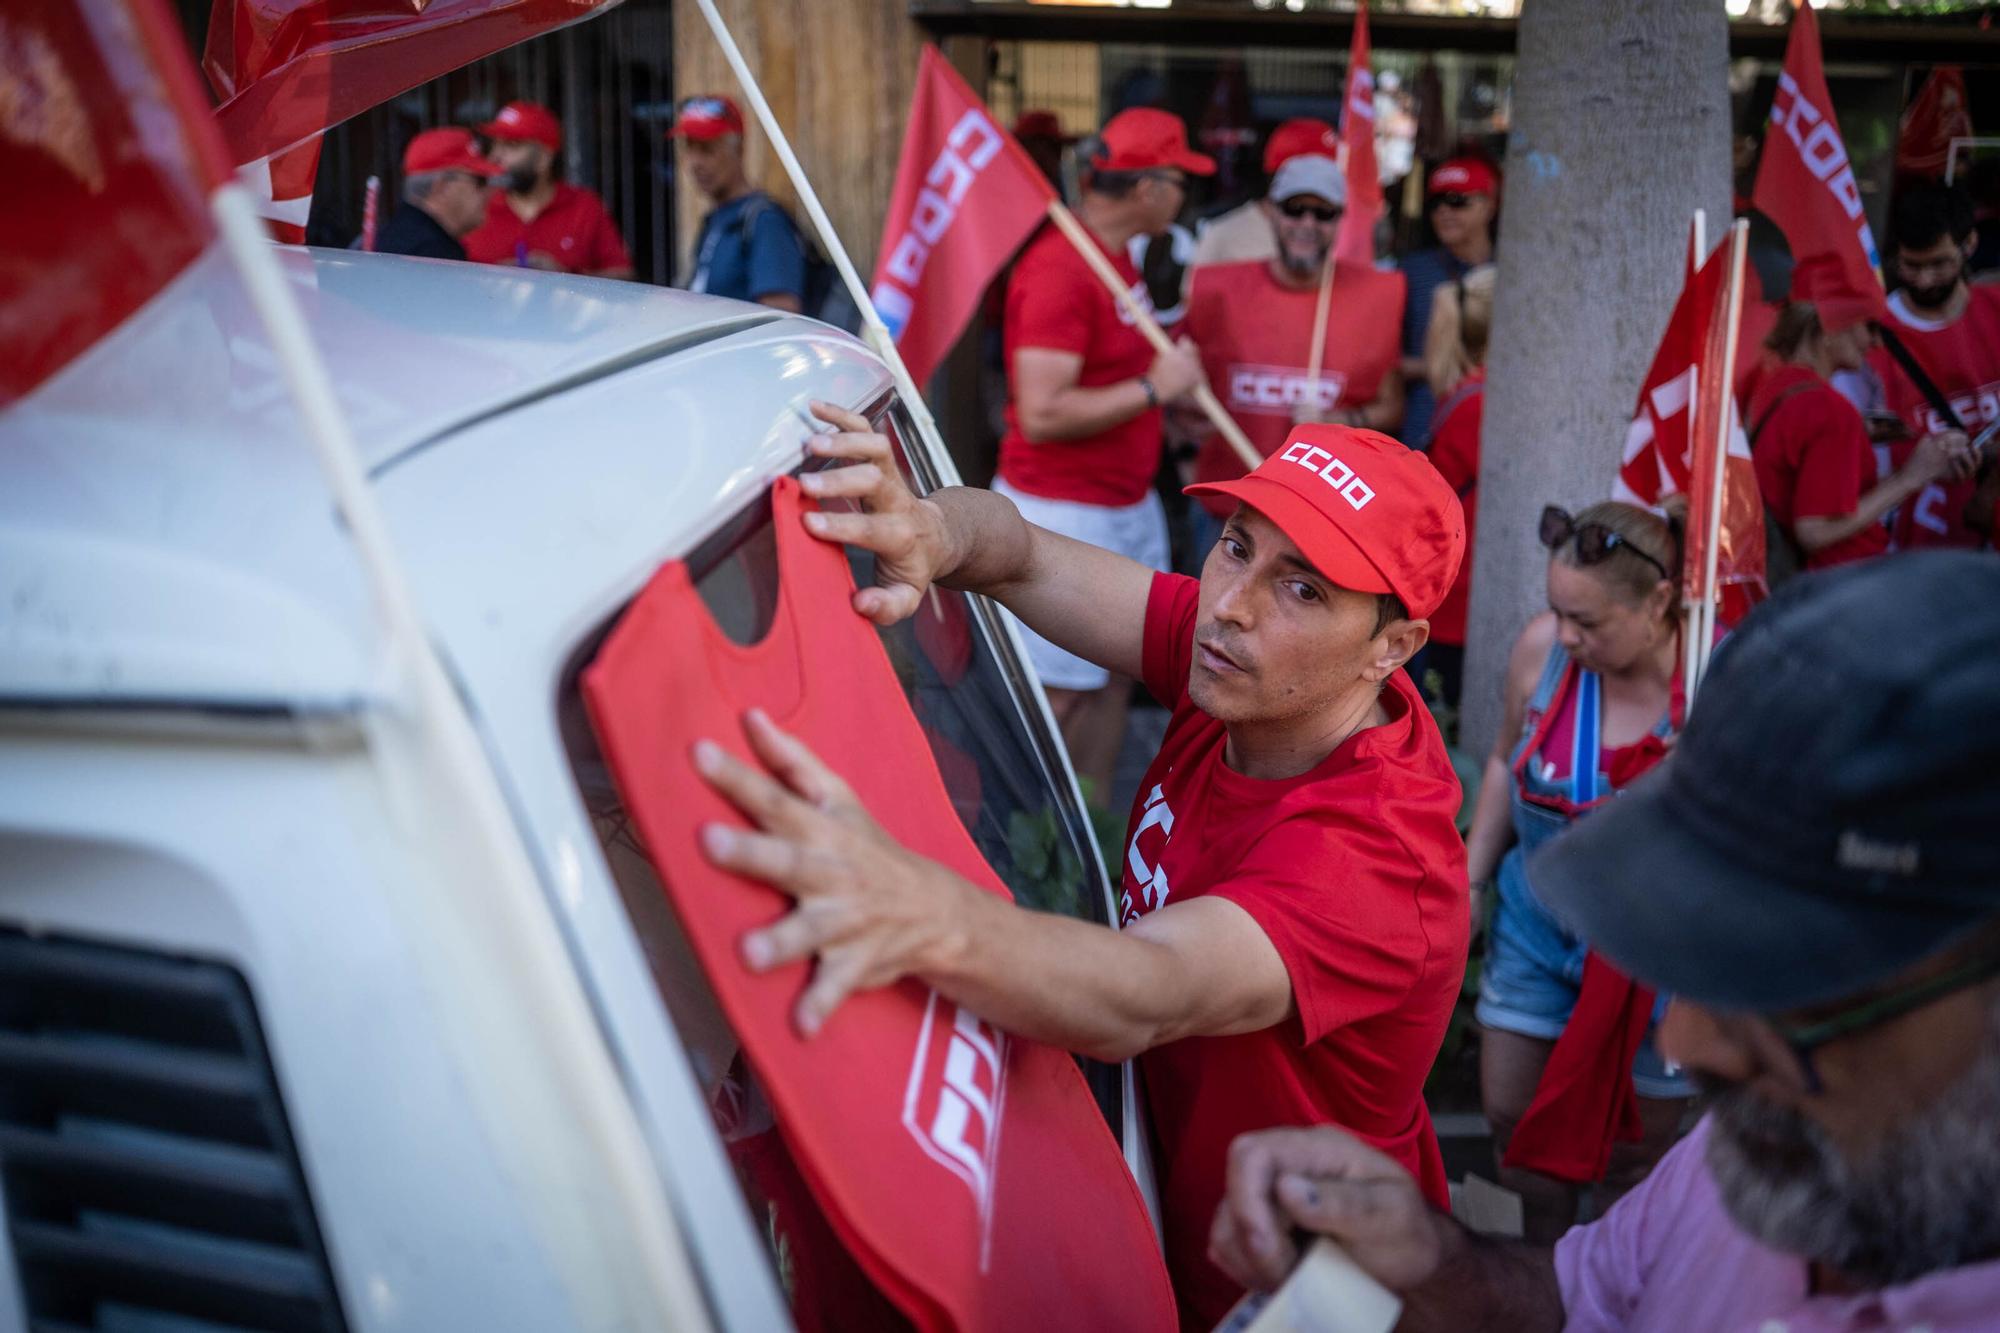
1356 240
1671 446
109 158
285 70
966 197
1939 114
1805 183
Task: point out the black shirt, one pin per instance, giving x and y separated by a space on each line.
411 231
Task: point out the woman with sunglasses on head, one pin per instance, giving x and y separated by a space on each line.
1592 700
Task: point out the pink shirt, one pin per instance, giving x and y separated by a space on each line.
1668 1259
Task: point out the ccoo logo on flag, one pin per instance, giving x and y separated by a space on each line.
953 1102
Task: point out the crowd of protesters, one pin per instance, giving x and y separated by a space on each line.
1300 754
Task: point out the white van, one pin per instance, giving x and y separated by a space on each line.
256 1069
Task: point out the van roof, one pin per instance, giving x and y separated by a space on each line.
164 531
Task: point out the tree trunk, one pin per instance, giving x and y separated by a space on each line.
1621 131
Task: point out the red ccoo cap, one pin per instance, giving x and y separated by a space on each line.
1463 175
447 149
526 122
706 116
1370 514
1297 137
1143 138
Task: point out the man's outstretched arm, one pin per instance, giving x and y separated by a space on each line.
1083 598
1284 1183
871 912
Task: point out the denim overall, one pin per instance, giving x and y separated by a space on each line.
1534 966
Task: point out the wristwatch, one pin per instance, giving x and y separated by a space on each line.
1152 394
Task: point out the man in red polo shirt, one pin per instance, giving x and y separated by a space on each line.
538 221
1254 324
1085 390
1294 902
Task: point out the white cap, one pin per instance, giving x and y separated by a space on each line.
1310 173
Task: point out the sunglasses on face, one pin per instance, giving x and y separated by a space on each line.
1594 541
1173 178
1452 200
1299 208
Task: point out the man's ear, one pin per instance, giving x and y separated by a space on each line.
1399 641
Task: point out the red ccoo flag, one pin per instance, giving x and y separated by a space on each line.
1670 448
1805 183
966 197
1356 240
285 70
108 134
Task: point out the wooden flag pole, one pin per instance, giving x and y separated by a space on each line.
1320 309
1739 249
1204 397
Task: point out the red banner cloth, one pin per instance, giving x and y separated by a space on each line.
284 70
969 1171
966 197
1585 1103
1356 239
1805 183
1940 113
1672 442
109 157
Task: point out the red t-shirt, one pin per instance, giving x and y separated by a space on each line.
1964 358
1454 452
1813 459
1255 337
1055 302
1356 873
574 231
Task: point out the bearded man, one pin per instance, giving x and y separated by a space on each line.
1812 875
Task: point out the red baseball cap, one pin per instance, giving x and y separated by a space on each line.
1143 138
1039 125
1823 280
1298 136
706 116
1464 175
528 122
447 149
1370 514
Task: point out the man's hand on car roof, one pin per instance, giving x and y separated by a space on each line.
908 536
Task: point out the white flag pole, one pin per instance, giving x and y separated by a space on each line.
511 910
1739 248
873 330
1691 614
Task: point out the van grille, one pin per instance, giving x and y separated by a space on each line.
149 1174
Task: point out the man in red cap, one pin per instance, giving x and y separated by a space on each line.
1243 234
1085 390
1041 134
537 221
1461 200
748 249
1294 907
445 184
1254 323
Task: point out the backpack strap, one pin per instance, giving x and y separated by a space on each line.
1920 377
1757 428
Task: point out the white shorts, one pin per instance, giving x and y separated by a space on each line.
1135 531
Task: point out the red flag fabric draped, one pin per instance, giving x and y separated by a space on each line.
109 157
966 197
1940 113
1670 448
1356 239
285 70
1805 182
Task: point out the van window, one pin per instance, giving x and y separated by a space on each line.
1005 784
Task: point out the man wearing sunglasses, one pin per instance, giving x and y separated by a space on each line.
1460 201
1812 874
1254 324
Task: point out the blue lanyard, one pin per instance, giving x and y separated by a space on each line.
1584 744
